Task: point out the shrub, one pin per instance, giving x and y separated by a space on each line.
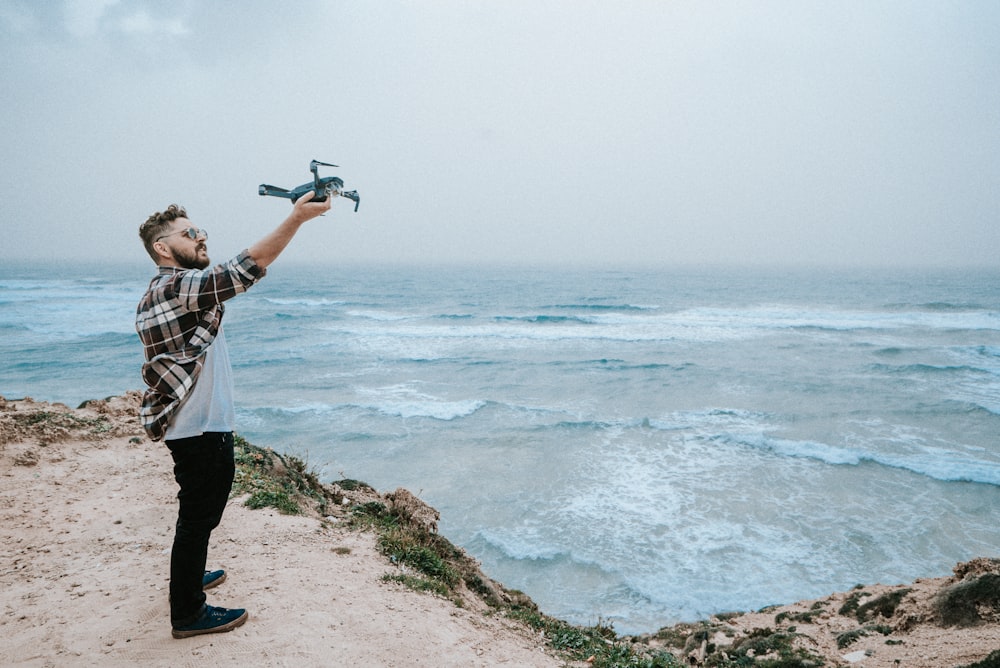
883 606
273 480
962 603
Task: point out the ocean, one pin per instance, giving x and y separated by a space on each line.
632 447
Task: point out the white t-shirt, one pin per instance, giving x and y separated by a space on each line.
209 406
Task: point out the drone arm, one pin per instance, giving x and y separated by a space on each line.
352 195
265 189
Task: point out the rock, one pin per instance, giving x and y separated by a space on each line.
26 458
407 506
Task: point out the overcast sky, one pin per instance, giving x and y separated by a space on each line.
600 133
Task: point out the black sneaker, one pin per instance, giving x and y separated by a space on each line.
212 620
212 579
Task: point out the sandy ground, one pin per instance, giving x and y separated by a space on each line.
85 532
87 507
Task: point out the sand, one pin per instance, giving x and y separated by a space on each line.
85 531
87 507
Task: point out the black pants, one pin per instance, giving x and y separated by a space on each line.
204 470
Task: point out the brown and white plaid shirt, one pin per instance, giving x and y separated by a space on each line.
177 320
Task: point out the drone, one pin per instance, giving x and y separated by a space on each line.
321 186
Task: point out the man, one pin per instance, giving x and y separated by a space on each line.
189 400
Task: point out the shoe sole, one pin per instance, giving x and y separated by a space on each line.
239 621
215 583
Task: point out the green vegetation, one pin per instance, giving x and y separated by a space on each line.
52 426
273 480
419 584
884 606
678 634
966 603
599 642
765 648
412 545
850 606
762 648
807 617
850 637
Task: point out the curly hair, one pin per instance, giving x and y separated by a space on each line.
157 225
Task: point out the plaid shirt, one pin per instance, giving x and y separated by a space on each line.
177 319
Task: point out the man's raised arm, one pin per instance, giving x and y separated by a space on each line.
265 251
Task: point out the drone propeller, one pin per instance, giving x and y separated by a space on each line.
314 163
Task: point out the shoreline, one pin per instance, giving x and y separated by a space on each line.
88 507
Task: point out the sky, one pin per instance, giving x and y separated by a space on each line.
541 132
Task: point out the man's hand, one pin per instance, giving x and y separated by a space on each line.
305 209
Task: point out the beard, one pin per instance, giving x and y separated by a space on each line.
192 260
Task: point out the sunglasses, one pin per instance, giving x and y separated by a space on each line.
191 232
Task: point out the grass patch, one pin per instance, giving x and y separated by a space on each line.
349 485
420 551
883 606
47 427
853 602
965 603
273 480
600 642
419 584
848 638
373 515
726 616
678 634
271 498
807 617
765 648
